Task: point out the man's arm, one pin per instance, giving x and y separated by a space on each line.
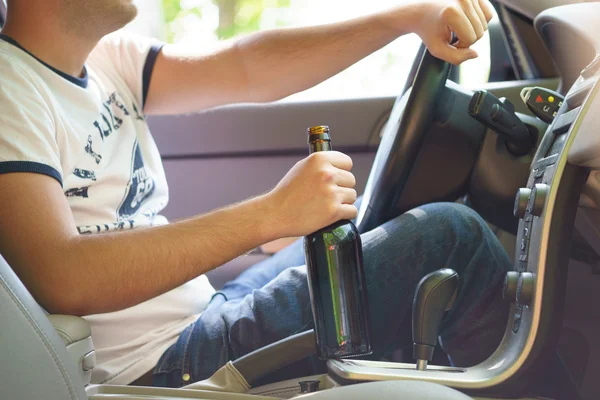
77 274
270 65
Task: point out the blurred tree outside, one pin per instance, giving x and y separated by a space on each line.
203 23
235 17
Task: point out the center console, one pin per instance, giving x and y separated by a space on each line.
535 288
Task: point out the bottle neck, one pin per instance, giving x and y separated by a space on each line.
319 145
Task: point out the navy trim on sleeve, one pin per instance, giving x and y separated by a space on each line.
148 68
30 166
81 82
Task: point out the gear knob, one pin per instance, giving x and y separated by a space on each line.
434 296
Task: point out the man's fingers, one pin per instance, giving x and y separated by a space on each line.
487 10
454 55
340 160
345 179
348 211
459 23
347 195
473 17
480 14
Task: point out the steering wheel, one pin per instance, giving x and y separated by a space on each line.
403 137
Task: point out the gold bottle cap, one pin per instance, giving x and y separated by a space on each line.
319 139
318 133
318 130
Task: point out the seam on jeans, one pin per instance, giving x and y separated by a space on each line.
161 366
185 368
165 367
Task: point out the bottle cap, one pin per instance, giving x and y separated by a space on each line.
319 132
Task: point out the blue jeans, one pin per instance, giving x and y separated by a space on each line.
270 300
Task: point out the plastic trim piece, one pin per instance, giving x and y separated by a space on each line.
269 359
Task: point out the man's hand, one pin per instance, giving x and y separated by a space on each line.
316 192
436 20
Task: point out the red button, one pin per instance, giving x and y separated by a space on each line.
539 99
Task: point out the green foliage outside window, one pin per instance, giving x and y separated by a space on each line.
235 16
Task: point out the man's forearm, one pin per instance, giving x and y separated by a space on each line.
279 63
268 65
130 267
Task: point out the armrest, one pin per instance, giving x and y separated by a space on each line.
77 336
71 329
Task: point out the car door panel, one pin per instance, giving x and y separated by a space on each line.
200 185
267 128
228 154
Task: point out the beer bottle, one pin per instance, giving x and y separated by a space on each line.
336 280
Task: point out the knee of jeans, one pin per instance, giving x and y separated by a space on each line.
456 219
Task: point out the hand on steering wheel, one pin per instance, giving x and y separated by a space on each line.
436 20
412 115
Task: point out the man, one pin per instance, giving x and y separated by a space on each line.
77 159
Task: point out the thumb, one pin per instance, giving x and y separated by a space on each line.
454 55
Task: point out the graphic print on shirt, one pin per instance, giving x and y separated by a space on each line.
137 113
140 186
109 121
78 192
84 174
114 227
90 150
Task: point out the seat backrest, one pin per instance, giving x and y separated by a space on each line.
2 13
34 363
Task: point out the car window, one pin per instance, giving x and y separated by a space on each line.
208 21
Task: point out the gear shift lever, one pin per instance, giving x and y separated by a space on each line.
434 296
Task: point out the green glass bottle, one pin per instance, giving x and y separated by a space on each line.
336 280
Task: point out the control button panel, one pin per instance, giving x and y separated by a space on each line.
518 318
521 202
509 293
525 287
530 203
564 121
537 200
576 98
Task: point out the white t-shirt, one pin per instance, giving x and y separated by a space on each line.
91 136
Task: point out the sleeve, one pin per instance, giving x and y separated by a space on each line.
133 56
27 129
